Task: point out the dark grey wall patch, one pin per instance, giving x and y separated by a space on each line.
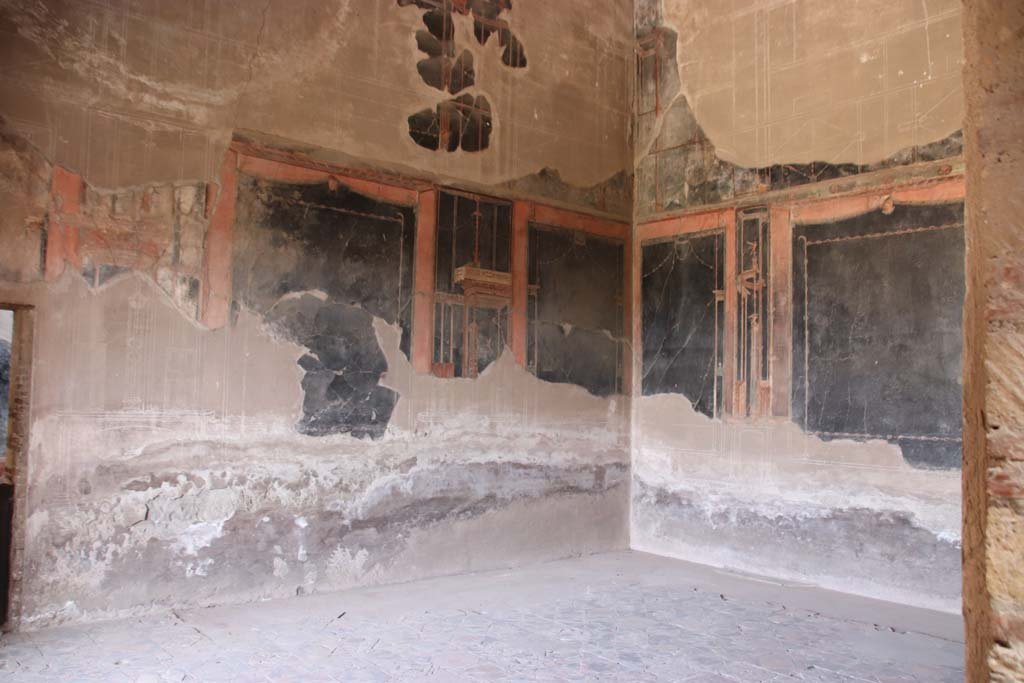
575 309
319 264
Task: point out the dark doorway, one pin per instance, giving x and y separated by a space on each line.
6 483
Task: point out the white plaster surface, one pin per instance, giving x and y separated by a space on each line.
766 497
6 325
623 616
167 471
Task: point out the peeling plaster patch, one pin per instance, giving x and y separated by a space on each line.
379 507
154 91
198 536
200 568
281 569
60 40
348 567
318 261
815 55
848 549
67 40
613 195
701 138
691 172
209 495
464 121
198 483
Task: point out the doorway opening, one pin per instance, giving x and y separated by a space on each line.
6 483
15 379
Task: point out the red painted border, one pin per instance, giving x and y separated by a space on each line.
216 291
270 169
729 371
838 208
423 273
573 220
67 189
781 310
681 225
522 214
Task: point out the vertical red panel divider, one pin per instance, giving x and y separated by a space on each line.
522 212
216 292
423 272
729 380
782 309
66 190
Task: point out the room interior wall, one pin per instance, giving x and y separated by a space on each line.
277 438
150 91
799 288
340 293
253 261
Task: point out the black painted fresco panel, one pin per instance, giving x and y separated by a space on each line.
576 355
682 336
576 309
878 305
319 264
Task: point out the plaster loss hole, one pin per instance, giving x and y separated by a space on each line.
462 123
465 122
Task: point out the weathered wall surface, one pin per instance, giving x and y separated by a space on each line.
768 95
128 94
576 319
310 379
878 329
800 235
139 496
180 457
319 264
994 336
683 331
852 480
771 499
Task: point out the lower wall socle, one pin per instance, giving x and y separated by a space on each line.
768 499
132 508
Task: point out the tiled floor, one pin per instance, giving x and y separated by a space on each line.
616 617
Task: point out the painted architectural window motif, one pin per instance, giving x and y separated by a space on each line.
473 286
752 393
